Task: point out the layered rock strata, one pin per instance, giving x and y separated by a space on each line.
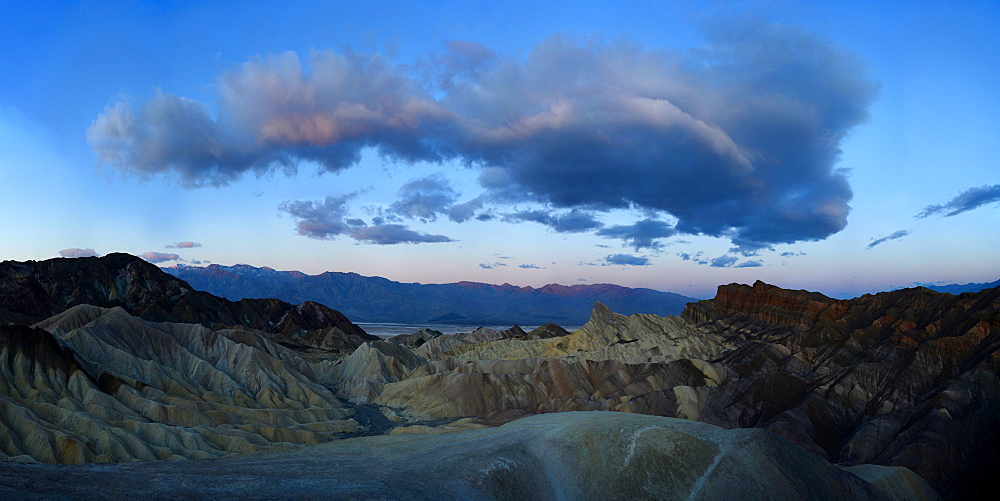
99 385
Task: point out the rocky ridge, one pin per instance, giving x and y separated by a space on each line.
34 290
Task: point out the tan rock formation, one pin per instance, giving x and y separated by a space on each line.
96 384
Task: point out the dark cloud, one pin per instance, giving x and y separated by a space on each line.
972 198
642 234
882 240
753 263
625 260
737 139
724 261
330 219
158 257
486 266
183 245
531 266
574 221
75 252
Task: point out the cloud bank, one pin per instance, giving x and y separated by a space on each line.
737 139
972 198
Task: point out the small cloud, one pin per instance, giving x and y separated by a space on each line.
531 267
792 254
75 252
184 245
893 236
581 279
391 234
491 266
504 257
750 264
425 198
969 199
625 260
724 261
642 234
574 221
158 257
331 218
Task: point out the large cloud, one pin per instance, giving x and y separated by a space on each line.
737 139
969 199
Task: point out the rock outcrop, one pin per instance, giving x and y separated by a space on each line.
578 455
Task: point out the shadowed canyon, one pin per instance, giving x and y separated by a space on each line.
760 392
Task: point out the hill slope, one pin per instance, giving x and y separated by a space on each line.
376 299
33 290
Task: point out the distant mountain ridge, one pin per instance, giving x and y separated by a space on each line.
960 288
377 299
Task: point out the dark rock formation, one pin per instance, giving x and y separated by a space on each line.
34 290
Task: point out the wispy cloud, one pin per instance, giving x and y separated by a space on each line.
486 266
75 252
184 245
712 137
531 266
753 263
893 236
972 198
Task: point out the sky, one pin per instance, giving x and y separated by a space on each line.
841 147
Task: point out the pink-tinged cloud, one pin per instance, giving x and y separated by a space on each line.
75 252
738 139
184 245
158 257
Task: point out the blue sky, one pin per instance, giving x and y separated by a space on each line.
842 147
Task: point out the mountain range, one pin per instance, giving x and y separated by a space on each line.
376 299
